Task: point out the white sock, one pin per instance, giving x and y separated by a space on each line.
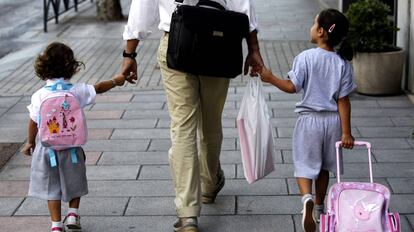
306 196
73 210
319 207
57 224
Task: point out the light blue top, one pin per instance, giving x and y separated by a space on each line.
324 77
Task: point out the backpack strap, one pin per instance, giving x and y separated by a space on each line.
73 155
52 156
59 85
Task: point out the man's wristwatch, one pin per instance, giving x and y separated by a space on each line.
129 55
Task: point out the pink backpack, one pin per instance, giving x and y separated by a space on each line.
62 123
358 206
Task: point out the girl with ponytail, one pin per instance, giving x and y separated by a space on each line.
325 78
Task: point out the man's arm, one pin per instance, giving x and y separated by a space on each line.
254 58
129 65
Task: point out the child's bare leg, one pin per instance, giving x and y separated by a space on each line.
74 203
305 188
321 185
54 210
305 185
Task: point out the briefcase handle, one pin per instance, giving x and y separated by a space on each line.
211 4
204 3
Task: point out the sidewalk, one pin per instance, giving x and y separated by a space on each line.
130 187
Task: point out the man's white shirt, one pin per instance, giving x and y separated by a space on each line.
145 14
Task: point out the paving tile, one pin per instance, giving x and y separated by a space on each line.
399 103
7 102
15 173
389 143
402 203
13 135
99 134
262 187
125 172
92 157
402 185
128 106
13 188
19 224
112 206
141 134
116 145
20 159
125 97
104 114
403 121
410 219
124 158
163 206
371 121
385 132
144 114
149 98
268 205
122 123
130 188
9 205
395 156
163 172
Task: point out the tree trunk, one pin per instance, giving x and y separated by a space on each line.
109 10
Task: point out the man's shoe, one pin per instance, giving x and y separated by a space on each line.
209 198
186 225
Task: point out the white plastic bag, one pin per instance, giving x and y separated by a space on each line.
255 132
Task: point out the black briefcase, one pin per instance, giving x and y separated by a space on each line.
207 40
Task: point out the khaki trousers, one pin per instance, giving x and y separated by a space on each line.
195 104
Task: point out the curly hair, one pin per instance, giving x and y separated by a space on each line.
57 61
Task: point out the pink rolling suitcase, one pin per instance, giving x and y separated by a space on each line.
358 206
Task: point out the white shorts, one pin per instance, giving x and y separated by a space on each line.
314 140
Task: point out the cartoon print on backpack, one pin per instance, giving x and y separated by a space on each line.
53 126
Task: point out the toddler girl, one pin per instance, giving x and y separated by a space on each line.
325 77
60 179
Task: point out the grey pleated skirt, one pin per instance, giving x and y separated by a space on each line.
313 143
65 181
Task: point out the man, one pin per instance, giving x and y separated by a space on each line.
195 104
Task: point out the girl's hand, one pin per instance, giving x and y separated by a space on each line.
347 141
28 149
266 75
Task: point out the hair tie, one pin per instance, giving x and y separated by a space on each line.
332 28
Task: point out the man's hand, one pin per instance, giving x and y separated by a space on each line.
254 59
28 149
129 69
255 62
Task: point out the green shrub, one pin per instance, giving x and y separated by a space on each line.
371 30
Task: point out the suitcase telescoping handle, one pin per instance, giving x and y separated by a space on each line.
356 143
